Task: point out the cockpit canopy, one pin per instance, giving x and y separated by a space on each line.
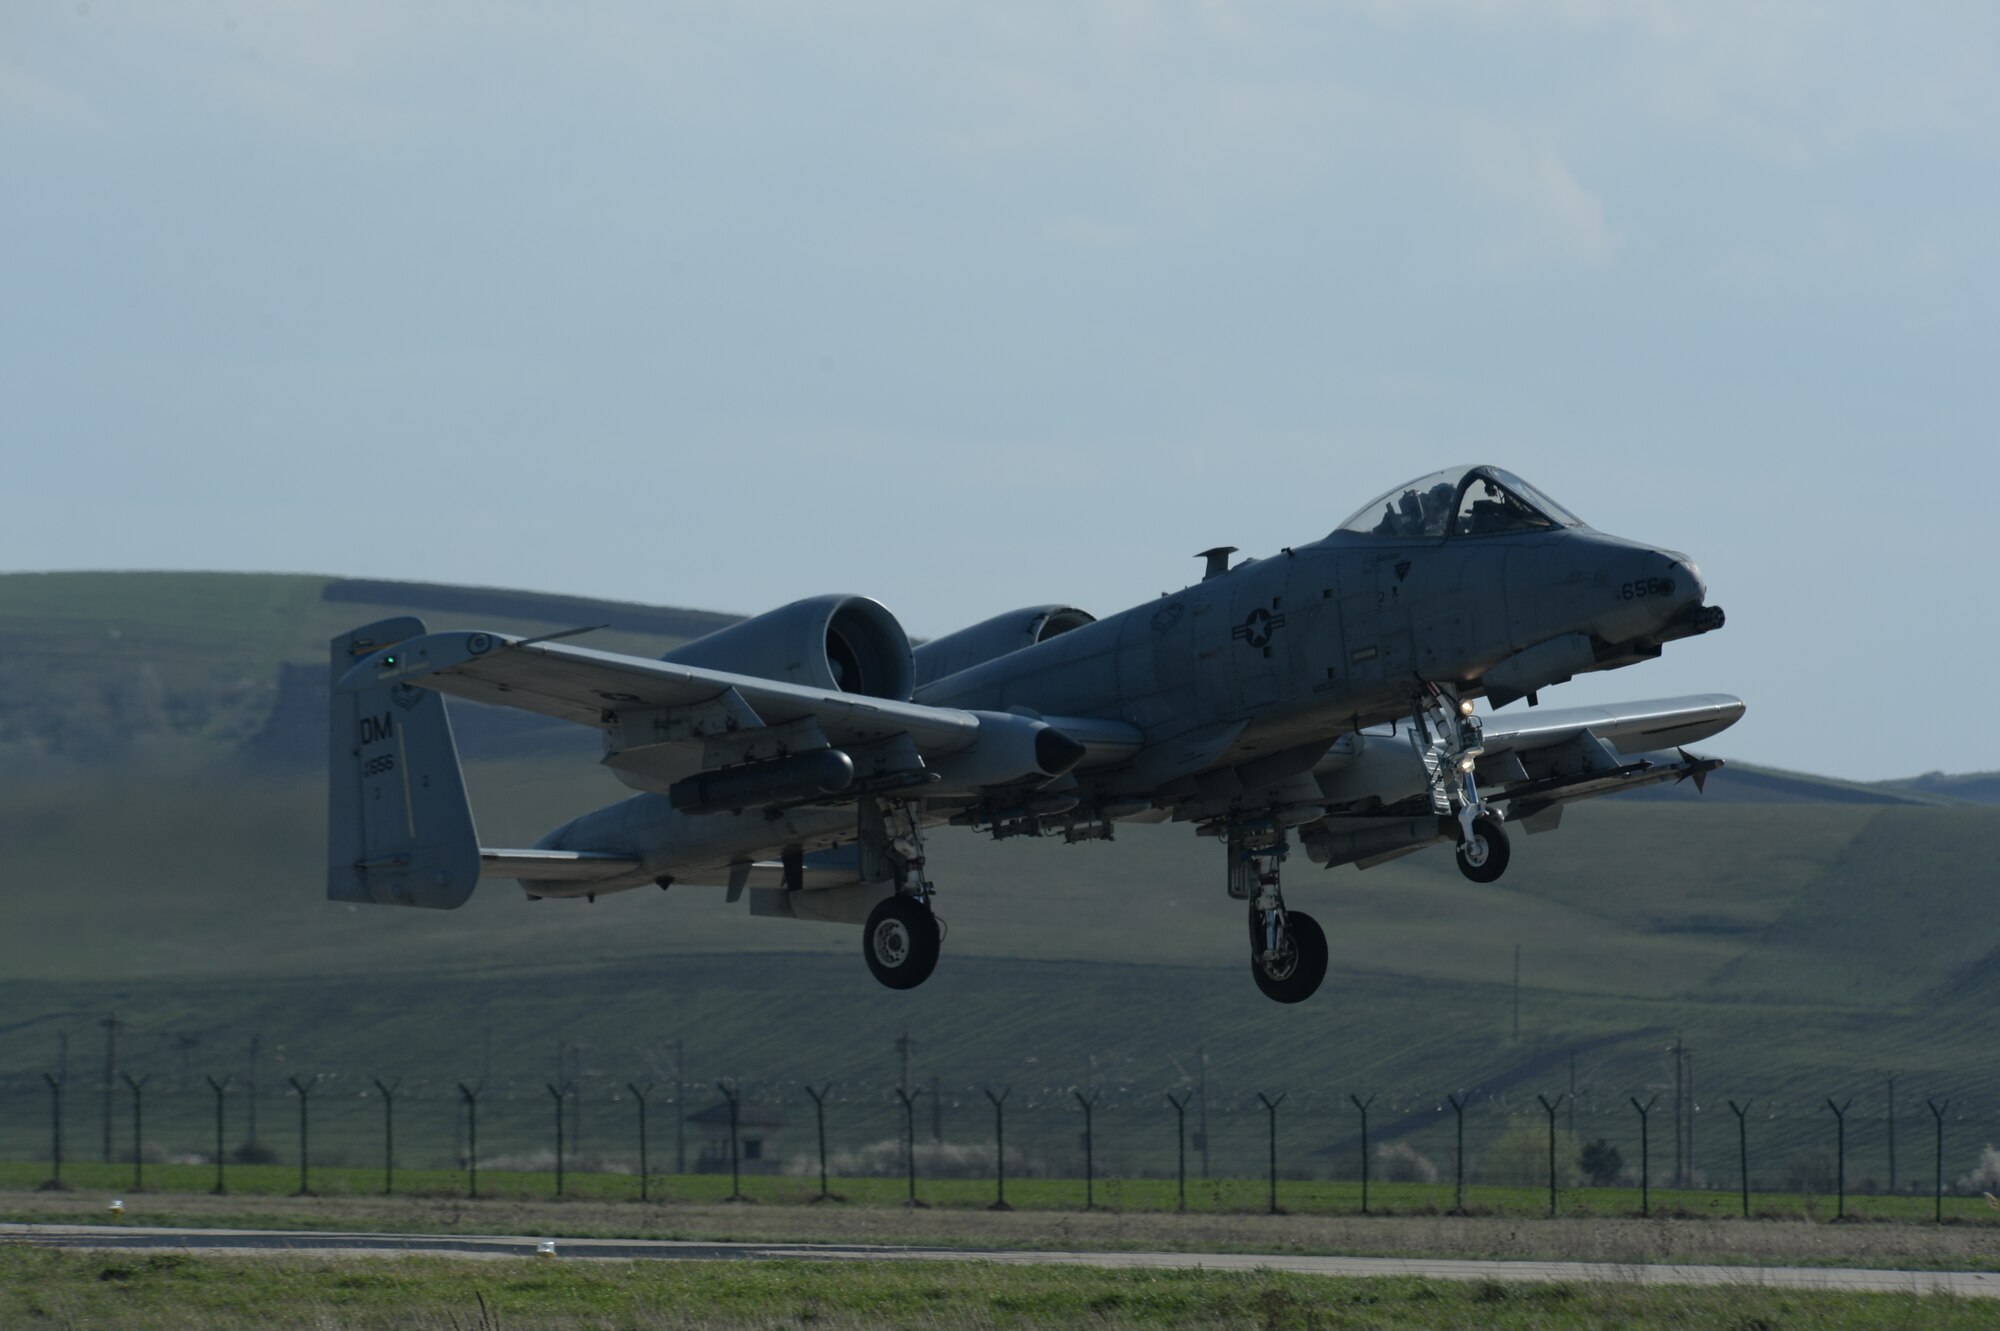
1460 501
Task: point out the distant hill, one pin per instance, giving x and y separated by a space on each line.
1976 787
178 670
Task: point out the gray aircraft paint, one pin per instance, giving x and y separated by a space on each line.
1238 702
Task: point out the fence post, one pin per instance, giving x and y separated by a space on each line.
1458 1201
819 1112
1089 1147
388 1090
304 1089
138 1129
471 1135
1362 1105
557 1093
1549 1106
1180 1135
1271 1111
56 1122
1937 1195
218 1087
1645 1153
645 1161
909 1100
1840 1156
1742 1151
735 1100
999 1147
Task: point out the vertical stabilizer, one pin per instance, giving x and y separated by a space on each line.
399 828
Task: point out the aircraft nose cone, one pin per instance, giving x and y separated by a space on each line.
1687 587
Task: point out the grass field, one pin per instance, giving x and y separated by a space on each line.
174 1289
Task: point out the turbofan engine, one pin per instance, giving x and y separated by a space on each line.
849 643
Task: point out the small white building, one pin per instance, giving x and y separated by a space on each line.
757 1129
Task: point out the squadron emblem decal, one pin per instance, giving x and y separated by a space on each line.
1258 627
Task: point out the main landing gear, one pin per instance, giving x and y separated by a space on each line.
902 937
1446 737
1287 947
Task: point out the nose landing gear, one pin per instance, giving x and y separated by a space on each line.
1446 737
1288 952
1483 858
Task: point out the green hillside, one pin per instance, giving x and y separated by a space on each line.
161 838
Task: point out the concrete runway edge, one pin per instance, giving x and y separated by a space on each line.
240 1242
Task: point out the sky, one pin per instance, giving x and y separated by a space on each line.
969 306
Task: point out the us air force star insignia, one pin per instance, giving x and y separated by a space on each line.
1257 627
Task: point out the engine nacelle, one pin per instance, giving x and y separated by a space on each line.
996 637
847 643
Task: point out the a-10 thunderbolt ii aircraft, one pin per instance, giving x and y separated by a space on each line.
1324 693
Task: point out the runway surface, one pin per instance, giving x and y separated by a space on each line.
1964 1284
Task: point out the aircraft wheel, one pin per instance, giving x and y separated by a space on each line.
1489 852
900 942
1296 974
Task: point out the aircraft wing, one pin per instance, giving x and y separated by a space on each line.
667 721
1634 727
1535 766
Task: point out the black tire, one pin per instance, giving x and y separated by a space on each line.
1299 973
900 942
1491 837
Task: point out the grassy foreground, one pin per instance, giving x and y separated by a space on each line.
170 1289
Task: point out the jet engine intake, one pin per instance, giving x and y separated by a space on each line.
848 643
996 637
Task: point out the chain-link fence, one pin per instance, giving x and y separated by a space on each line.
1442 1140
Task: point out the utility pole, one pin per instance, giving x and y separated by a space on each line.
1892 1133
1517 993
680 1110
1201 1088
1680 1177
250 1128
937 1112
110 1025
576 1053
1693 1110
